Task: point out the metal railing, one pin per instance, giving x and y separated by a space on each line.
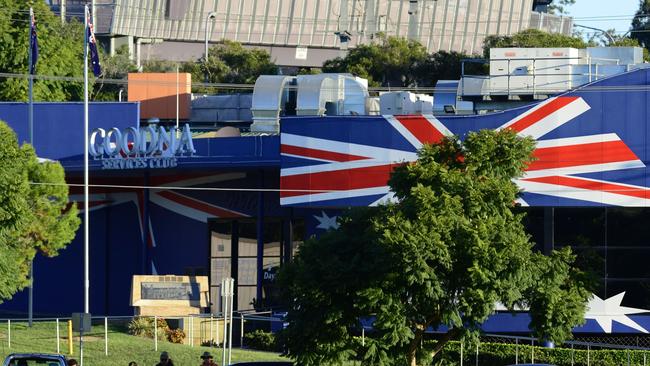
592 74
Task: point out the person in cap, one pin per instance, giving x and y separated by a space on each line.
165 360
207 359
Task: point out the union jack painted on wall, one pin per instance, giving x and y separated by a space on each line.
591 150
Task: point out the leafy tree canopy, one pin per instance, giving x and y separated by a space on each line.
396 61
60 53
559 7
34 213
531 38
640 29
230 62
443 255
117 66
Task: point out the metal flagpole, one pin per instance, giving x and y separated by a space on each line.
86 195
30 122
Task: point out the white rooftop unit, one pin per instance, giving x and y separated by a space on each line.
546 71
517 71
403 102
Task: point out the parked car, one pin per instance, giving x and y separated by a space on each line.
34 359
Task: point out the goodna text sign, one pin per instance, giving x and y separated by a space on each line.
151 147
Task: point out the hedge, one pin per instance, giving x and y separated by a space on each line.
500 354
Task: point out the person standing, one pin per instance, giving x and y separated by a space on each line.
207 359
165 360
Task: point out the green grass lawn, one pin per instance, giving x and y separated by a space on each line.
122 347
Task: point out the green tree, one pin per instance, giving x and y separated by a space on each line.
641 24
117 66
443 255
559 7
391 61
60 53
230 62
531 38
34 216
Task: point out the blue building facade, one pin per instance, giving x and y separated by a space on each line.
241 206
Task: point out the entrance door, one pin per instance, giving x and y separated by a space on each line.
233 253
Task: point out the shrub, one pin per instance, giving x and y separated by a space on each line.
144 327
261 340
175 335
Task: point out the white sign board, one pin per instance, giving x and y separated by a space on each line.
301 53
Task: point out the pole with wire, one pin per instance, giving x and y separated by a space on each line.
86 174
30 306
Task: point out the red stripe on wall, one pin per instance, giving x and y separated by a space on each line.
593 186
319 154
541 113
583 154
421 128
198 205
339 180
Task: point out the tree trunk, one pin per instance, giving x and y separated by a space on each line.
451 333
413 347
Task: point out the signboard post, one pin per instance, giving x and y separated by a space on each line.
227 292
81 322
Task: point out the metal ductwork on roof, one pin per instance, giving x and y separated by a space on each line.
332 95
317 95
320 95
267 102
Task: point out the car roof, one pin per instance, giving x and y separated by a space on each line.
41 355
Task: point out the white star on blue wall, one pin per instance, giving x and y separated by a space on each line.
325 222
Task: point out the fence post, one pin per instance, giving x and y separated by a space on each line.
58 337
573 351
628 357
106 336
461 352
241 330
477 343
588 353
70 349
8 333
210 336
643 358
516 351
191 331
363 337
155 332
532 351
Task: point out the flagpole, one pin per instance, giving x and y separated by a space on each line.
30 122
85 153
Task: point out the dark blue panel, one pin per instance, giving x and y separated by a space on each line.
58 127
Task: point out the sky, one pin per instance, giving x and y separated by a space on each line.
604 14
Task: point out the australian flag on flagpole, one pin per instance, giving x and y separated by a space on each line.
33 43
92 45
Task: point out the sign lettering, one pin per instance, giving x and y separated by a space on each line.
151 147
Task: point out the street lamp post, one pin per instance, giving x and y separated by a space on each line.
211 15
606 33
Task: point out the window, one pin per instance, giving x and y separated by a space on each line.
580 227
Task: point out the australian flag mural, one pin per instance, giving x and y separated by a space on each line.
591 149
